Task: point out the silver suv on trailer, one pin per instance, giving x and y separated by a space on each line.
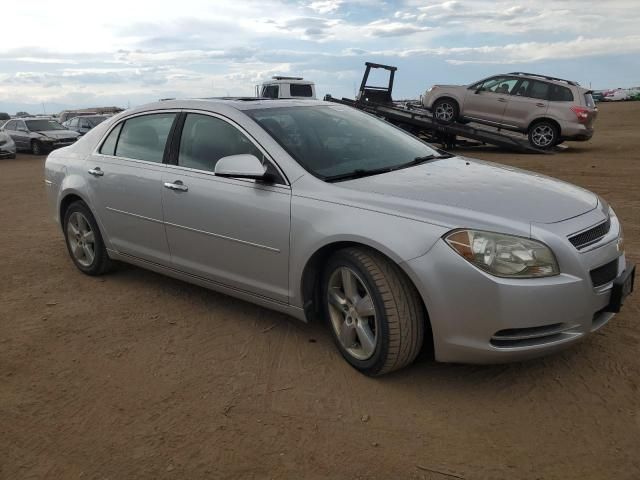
547 109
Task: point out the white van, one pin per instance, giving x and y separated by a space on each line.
288 87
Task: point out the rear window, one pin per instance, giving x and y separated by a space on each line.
539 90
144 137
299 90
588 100
558 93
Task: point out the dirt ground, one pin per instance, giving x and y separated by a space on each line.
135 375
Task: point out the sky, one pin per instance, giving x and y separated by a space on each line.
56 55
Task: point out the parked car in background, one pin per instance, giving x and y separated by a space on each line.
617 95
69 114
4 117
322 211
633 94
23 115
83 124
598 95
548 109
39 135
7 146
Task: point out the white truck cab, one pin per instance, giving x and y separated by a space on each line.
288 87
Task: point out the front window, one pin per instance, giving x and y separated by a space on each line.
334 142
43 125
205 140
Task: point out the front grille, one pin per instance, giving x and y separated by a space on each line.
604 274
591 236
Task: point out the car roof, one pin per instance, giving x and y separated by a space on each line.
222 104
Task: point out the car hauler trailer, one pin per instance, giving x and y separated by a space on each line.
412 117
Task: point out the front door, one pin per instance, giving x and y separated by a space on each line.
125 179
488 100
232 231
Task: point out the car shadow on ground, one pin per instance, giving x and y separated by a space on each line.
454 378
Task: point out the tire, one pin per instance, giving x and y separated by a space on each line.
36 148
445 111
78 221
381 328
544 135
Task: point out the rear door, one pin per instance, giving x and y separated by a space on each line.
528 101
486 101
125 178
231 231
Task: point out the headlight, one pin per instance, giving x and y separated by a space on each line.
504 255
46 139
620 231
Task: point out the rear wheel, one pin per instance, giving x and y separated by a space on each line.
445 111
543 135
84 241
373 310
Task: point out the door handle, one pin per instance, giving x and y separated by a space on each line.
540 105
503 100
96 172
177 186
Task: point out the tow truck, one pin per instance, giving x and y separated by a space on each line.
411 116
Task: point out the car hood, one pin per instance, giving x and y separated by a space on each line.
483 187
58 133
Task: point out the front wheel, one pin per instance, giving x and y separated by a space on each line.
36 148
374 311
543 135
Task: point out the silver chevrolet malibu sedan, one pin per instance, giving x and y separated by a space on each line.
323 212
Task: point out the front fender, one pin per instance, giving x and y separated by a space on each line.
316 224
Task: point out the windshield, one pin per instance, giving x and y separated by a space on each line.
93 121
335 141
43 125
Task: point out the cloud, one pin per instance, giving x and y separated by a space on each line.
383 28
325 6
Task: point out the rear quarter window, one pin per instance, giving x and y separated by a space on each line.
558 93
109 145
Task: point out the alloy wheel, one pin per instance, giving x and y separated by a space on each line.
81 239
352 313
542 135
444 111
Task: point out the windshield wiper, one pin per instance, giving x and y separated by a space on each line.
426 158
361 172
358 173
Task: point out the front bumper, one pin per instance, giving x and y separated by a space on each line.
8 150
478 318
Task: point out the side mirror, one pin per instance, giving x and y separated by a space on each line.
241 166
